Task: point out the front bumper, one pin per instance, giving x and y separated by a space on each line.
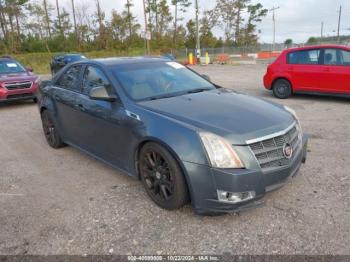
205 181
18 94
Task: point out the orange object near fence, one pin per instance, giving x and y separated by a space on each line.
267 55
223 58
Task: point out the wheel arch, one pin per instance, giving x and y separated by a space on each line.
170 150
42 109
283 78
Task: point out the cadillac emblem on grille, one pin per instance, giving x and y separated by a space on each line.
287 151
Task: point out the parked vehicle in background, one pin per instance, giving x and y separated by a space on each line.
313 69
60 61
17 82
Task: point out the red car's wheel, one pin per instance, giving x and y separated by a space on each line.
282 89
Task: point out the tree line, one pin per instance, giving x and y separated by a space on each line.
43 26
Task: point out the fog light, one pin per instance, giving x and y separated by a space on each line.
234 197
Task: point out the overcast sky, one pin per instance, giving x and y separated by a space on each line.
296 19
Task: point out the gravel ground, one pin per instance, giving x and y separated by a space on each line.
64 202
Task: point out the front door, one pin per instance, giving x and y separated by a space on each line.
103 124
336 71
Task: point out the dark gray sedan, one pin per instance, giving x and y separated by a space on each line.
185 138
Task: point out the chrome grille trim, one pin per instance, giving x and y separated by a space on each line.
259 139
268 150
18 85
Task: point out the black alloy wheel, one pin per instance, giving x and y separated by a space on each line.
162 177
50 131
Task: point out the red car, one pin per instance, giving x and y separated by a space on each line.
16 82
313 69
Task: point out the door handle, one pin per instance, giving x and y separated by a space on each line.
290 68
327 69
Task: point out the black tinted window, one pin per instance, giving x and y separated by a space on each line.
330 56
70 79
94 77
336 57
304 57
344 57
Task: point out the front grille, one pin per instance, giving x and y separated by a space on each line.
20 96
21 85
269 152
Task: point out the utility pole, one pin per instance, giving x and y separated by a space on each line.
75 21
273 9
322 25
59 17
339 24
146 30
198 42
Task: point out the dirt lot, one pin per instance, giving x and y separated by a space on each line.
64 202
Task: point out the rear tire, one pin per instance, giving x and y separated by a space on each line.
35 100
162 177
52 136
282 89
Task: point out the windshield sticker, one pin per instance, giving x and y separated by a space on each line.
11 65
175 65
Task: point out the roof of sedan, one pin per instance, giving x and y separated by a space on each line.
129 60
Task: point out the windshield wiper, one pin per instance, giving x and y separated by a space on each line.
199 90
161 97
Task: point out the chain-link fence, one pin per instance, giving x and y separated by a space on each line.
261 51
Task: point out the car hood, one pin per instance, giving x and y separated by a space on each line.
23 76
237 117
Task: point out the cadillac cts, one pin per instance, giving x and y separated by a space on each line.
185 138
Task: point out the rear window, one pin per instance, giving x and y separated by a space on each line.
304 57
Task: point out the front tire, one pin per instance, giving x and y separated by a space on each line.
282 89
162 177
51 133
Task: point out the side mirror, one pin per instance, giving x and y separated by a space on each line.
29 69
100 93
206 77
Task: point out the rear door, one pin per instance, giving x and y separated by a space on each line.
304 68
66 95
336 71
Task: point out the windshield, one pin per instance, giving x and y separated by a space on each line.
159 80
8 67
74 58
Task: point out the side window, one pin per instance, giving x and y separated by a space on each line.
94 77
69 80
344 57
304 57
330 56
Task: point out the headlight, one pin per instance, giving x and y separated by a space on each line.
290 110
220 152
37 80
